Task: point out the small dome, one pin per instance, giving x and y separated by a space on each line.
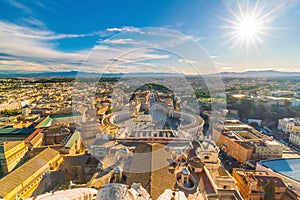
117 170
125 151
185 171
100 164
178 151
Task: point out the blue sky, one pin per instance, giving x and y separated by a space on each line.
59 35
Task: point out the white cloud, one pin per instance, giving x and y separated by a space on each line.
225 68
31 33
119 41
28 43
214 57
19 5
125 29
186 61
22 65
33 49
34 22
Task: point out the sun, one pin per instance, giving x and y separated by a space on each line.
248 28
248 25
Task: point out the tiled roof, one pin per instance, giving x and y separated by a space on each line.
37 138
80 160
141 162
246 145
162 177
263 180
71 140
32 135
152 167
21 174
9 145
45 122
222 171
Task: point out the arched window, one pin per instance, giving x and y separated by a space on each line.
117 178
185 180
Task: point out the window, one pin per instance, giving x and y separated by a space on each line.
117 178
185 180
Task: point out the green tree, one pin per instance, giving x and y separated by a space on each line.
10 112
108 111
287 103
270 190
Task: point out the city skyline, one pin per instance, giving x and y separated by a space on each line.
236 35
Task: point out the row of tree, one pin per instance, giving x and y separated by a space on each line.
10 112
248 109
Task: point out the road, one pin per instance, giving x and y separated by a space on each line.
229 162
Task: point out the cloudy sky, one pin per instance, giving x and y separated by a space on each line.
112 36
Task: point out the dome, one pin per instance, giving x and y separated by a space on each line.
113 191
117 170
178 151
100 164
185 171
169 194
121 191
125 151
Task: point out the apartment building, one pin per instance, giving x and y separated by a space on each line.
295 138
252 184
286 125
244 143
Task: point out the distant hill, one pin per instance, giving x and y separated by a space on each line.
69 74
264 73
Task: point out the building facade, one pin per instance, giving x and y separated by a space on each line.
252 184
268 149
286 125
22 182
11 155
244 143
295 138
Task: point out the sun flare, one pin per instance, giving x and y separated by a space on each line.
248 25
248 28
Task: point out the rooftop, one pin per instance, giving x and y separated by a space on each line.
46 122
246 145
72 139
80 160
65 115
9 145
15 131
21 174
77 193
289 167
263 180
